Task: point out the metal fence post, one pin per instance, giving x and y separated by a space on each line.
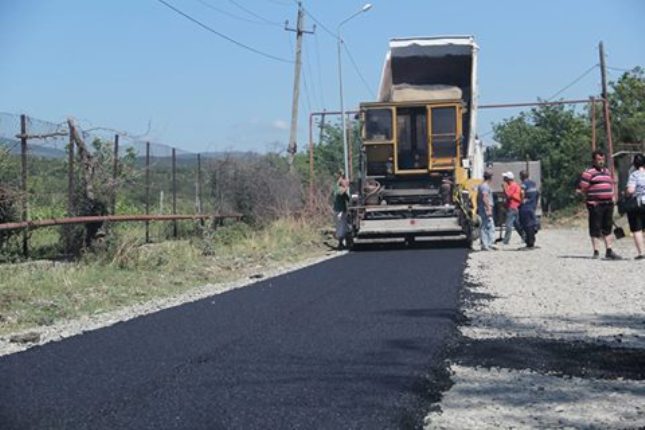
68 231
198 186
70 176
147 190
115 172
174 191
25 194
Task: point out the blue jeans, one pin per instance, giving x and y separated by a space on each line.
487 231
512 222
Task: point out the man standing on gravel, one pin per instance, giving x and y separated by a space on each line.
485 212
528 220
512 192
341 199
597 185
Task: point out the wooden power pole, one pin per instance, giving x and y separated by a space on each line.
606 113
299 30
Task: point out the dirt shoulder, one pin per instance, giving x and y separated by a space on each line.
553 339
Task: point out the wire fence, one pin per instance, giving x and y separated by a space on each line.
48 172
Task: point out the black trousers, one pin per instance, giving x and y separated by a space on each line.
528 222
600 219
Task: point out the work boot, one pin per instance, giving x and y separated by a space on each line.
611 255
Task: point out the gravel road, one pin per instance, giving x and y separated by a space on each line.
553 339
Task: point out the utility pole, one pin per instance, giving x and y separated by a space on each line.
299 30
607 117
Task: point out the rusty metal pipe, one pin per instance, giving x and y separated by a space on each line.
510 105
110 218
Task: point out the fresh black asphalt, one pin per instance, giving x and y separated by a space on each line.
351 343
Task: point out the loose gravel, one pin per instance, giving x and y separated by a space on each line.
553 339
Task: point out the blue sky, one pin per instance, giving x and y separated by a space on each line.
127 64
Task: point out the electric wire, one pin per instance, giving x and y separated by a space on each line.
360 75
304 81
223 36
250 12
575 81
280 3
313 18
619 69
320 81
230 15
315 94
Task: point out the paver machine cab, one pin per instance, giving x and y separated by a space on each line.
420 161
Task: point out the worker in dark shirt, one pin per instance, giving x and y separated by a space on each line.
341 200
528 207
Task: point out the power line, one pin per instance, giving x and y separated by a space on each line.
320 82
311 77
574 82
223 36
280 3
360 75
304 80
231 15
250 12
313 18
619 69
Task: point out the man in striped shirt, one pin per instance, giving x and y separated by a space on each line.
597 184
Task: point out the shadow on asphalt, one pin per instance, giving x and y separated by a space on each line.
560 357
442 313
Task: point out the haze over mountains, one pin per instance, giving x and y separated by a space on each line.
184 158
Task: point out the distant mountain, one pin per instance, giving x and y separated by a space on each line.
183 158
33 149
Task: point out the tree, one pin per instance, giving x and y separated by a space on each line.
556 136
627 103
